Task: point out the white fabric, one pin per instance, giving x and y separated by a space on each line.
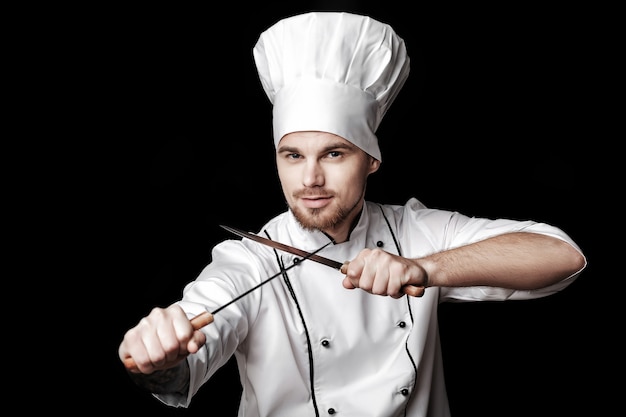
333 72
365 367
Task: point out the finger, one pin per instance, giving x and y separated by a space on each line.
146 353
138 360
413 290
347 284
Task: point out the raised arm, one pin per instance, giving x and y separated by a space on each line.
518 261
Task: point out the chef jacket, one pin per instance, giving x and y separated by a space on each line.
306 346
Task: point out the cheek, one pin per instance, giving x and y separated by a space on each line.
287 179
347 185
282 171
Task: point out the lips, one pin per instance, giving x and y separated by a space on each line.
315 202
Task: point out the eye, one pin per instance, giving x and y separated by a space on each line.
293 156
334 154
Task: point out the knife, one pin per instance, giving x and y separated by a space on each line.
418 291
342 267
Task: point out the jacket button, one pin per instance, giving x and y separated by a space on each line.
380 244
331 411
404 392
325 343
402 324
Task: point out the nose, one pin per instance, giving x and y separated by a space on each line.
313 175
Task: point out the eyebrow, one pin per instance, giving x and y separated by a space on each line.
331 147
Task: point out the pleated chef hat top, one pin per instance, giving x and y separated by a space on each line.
335 72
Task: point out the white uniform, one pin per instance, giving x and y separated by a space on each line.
306 346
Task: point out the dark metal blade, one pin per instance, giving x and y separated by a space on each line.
286 248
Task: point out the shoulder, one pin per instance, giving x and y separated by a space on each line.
412 209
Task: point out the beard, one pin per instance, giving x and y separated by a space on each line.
317 219
324 219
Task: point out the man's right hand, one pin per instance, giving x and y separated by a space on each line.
161 340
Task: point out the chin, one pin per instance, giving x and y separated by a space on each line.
315 219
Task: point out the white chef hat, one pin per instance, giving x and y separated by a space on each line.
335 72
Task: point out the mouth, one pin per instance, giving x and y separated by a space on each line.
315 201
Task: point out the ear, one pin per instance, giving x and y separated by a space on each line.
374 165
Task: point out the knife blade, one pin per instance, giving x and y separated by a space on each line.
342 267
414 291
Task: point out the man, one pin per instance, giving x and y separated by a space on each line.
362 341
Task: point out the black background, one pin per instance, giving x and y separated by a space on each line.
177 132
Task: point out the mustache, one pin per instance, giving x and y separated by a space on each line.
308 192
